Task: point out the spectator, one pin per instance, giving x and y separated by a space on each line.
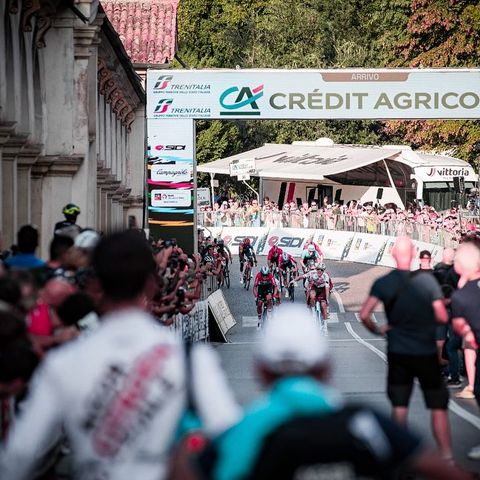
59 247
466 318
413 304
119 393
302 429
27 243
71 212
425 260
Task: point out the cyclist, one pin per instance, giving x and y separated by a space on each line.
310 257
245 250
224 251
287 263
319 287
309 242
274 255
264 290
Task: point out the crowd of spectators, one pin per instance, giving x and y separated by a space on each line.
419 222
45 303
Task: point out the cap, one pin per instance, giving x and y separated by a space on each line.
292 343
425 254
87 240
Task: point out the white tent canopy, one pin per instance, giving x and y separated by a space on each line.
313 161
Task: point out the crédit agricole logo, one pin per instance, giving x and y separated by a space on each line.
241 101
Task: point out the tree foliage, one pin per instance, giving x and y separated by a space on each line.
326 34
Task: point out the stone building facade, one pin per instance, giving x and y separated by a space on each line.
72 123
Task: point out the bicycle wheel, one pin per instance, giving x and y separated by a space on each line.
318 313
226 276
291 292
246 278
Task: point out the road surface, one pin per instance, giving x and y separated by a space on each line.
358 357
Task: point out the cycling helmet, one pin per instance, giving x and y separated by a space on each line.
247 241
322 267
311 248
265 271
285 257
71 209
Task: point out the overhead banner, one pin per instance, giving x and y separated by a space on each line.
170 164
314 94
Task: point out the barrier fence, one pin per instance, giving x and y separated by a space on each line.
434 234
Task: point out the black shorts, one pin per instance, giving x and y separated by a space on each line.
404 369
263 291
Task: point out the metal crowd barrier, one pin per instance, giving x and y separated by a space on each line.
359 224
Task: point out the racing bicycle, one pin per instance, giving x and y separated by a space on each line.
226 274
247 273
321 309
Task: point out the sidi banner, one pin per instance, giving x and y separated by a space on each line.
290 240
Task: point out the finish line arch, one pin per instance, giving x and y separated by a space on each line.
176 98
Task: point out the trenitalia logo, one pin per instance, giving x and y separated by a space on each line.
243 97
162 82
162 105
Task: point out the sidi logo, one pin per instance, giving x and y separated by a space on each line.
286 242
235 98
162 82
170 147
162 105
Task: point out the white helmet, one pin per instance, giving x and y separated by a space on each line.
322 267
311 248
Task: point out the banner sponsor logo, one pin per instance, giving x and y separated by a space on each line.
171 173
163 105
167 148
166 84
171 198
286 242
448 172
241 101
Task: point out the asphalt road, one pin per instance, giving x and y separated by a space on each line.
358 357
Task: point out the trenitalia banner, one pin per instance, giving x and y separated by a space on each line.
170 165
313 94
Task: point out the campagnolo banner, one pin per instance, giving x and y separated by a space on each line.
303 94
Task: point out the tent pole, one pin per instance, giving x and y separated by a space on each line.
212 176
393 184
253 190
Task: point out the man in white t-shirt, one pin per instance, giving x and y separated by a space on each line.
118 393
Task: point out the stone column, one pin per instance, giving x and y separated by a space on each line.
25 160
55 188
11 149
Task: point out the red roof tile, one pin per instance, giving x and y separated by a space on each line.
147 28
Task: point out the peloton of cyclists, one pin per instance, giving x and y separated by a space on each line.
287 263
264 290
245 252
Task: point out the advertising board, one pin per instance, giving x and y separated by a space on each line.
170 167
315 94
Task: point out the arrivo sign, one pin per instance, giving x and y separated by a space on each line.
310 94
